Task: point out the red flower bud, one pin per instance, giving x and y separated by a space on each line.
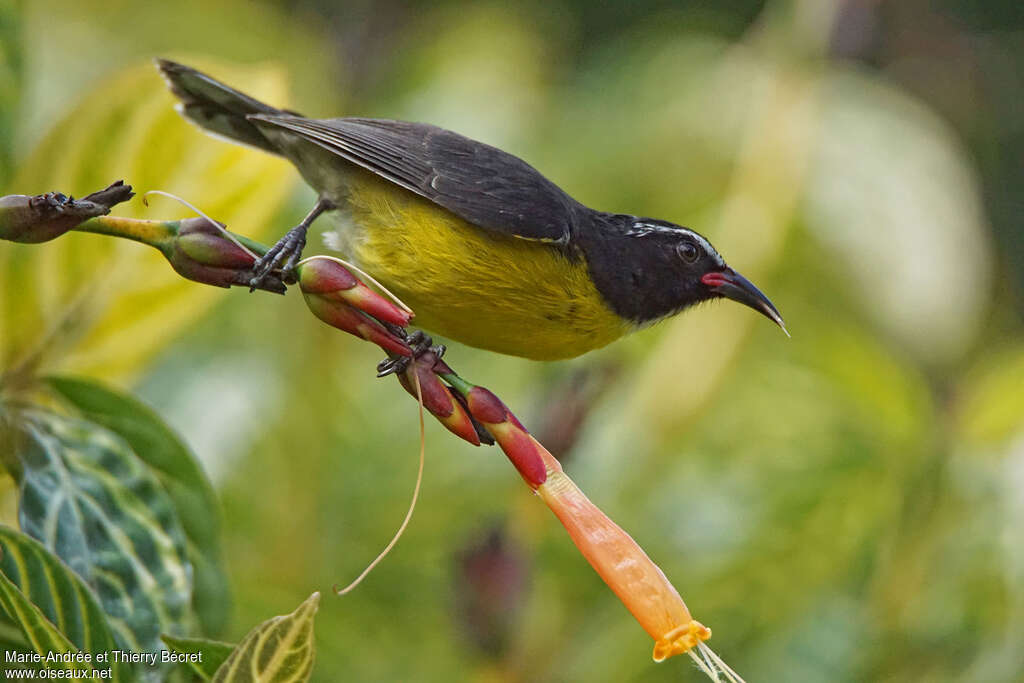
520 448
339 314
438 399
330 279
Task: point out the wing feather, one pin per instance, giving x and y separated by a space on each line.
479 183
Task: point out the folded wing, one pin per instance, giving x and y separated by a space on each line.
479 183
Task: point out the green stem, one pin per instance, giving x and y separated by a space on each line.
457 383
153 233
256 247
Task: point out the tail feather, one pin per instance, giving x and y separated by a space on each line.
216 107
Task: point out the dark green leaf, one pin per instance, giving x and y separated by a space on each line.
13 639
280 650
212 653
87 497
54 609
175 466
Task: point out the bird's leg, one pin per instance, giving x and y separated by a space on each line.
418 341
288 250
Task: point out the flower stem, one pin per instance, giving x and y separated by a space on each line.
153 233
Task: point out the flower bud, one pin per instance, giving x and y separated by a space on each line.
40 218
520 448
437 398
330 279
201 252
339 314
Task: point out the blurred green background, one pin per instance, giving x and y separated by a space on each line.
845 506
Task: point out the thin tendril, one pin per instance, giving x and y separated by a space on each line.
412 503
220 227
362 272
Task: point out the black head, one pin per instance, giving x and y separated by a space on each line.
649 269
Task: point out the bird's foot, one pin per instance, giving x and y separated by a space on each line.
285 255
282 257
420 343
272 282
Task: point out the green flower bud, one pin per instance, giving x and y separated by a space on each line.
201 252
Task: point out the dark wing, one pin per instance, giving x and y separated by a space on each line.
479 183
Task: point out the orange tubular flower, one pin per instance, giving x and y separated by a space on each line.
619 561
624 566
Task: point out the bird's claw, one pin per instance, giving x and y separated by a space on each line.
420 343
283 257
272 282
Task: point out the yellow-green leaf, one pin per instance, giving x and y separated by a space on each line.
43 635
107 303
280 650
992 403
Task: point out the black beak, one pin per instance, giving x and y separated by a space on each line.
731 285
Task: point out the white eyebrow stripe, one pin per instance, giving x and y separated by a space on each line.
643 229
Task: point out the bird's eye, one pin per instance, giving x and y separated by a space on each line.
688 251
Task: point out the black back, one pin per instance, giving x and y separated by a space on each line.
490 188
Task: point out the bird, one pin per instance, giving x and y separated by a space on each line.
484 248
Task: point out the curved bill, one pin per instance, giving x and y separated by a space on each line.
731 285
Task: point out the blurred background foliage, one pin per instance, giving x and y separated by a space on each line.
842 506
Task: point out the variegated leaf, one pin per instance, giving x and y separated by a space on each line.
179 473
52 606
89 499
280 650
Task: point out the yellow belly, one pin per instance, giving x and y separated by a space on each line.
494 292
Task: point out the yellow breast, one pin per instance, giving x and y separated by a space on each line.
494 292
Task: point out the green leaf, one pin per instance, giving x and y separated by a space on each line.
13 639
89 500
54 608
280 650
11 636
212 653
181 476
44 636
